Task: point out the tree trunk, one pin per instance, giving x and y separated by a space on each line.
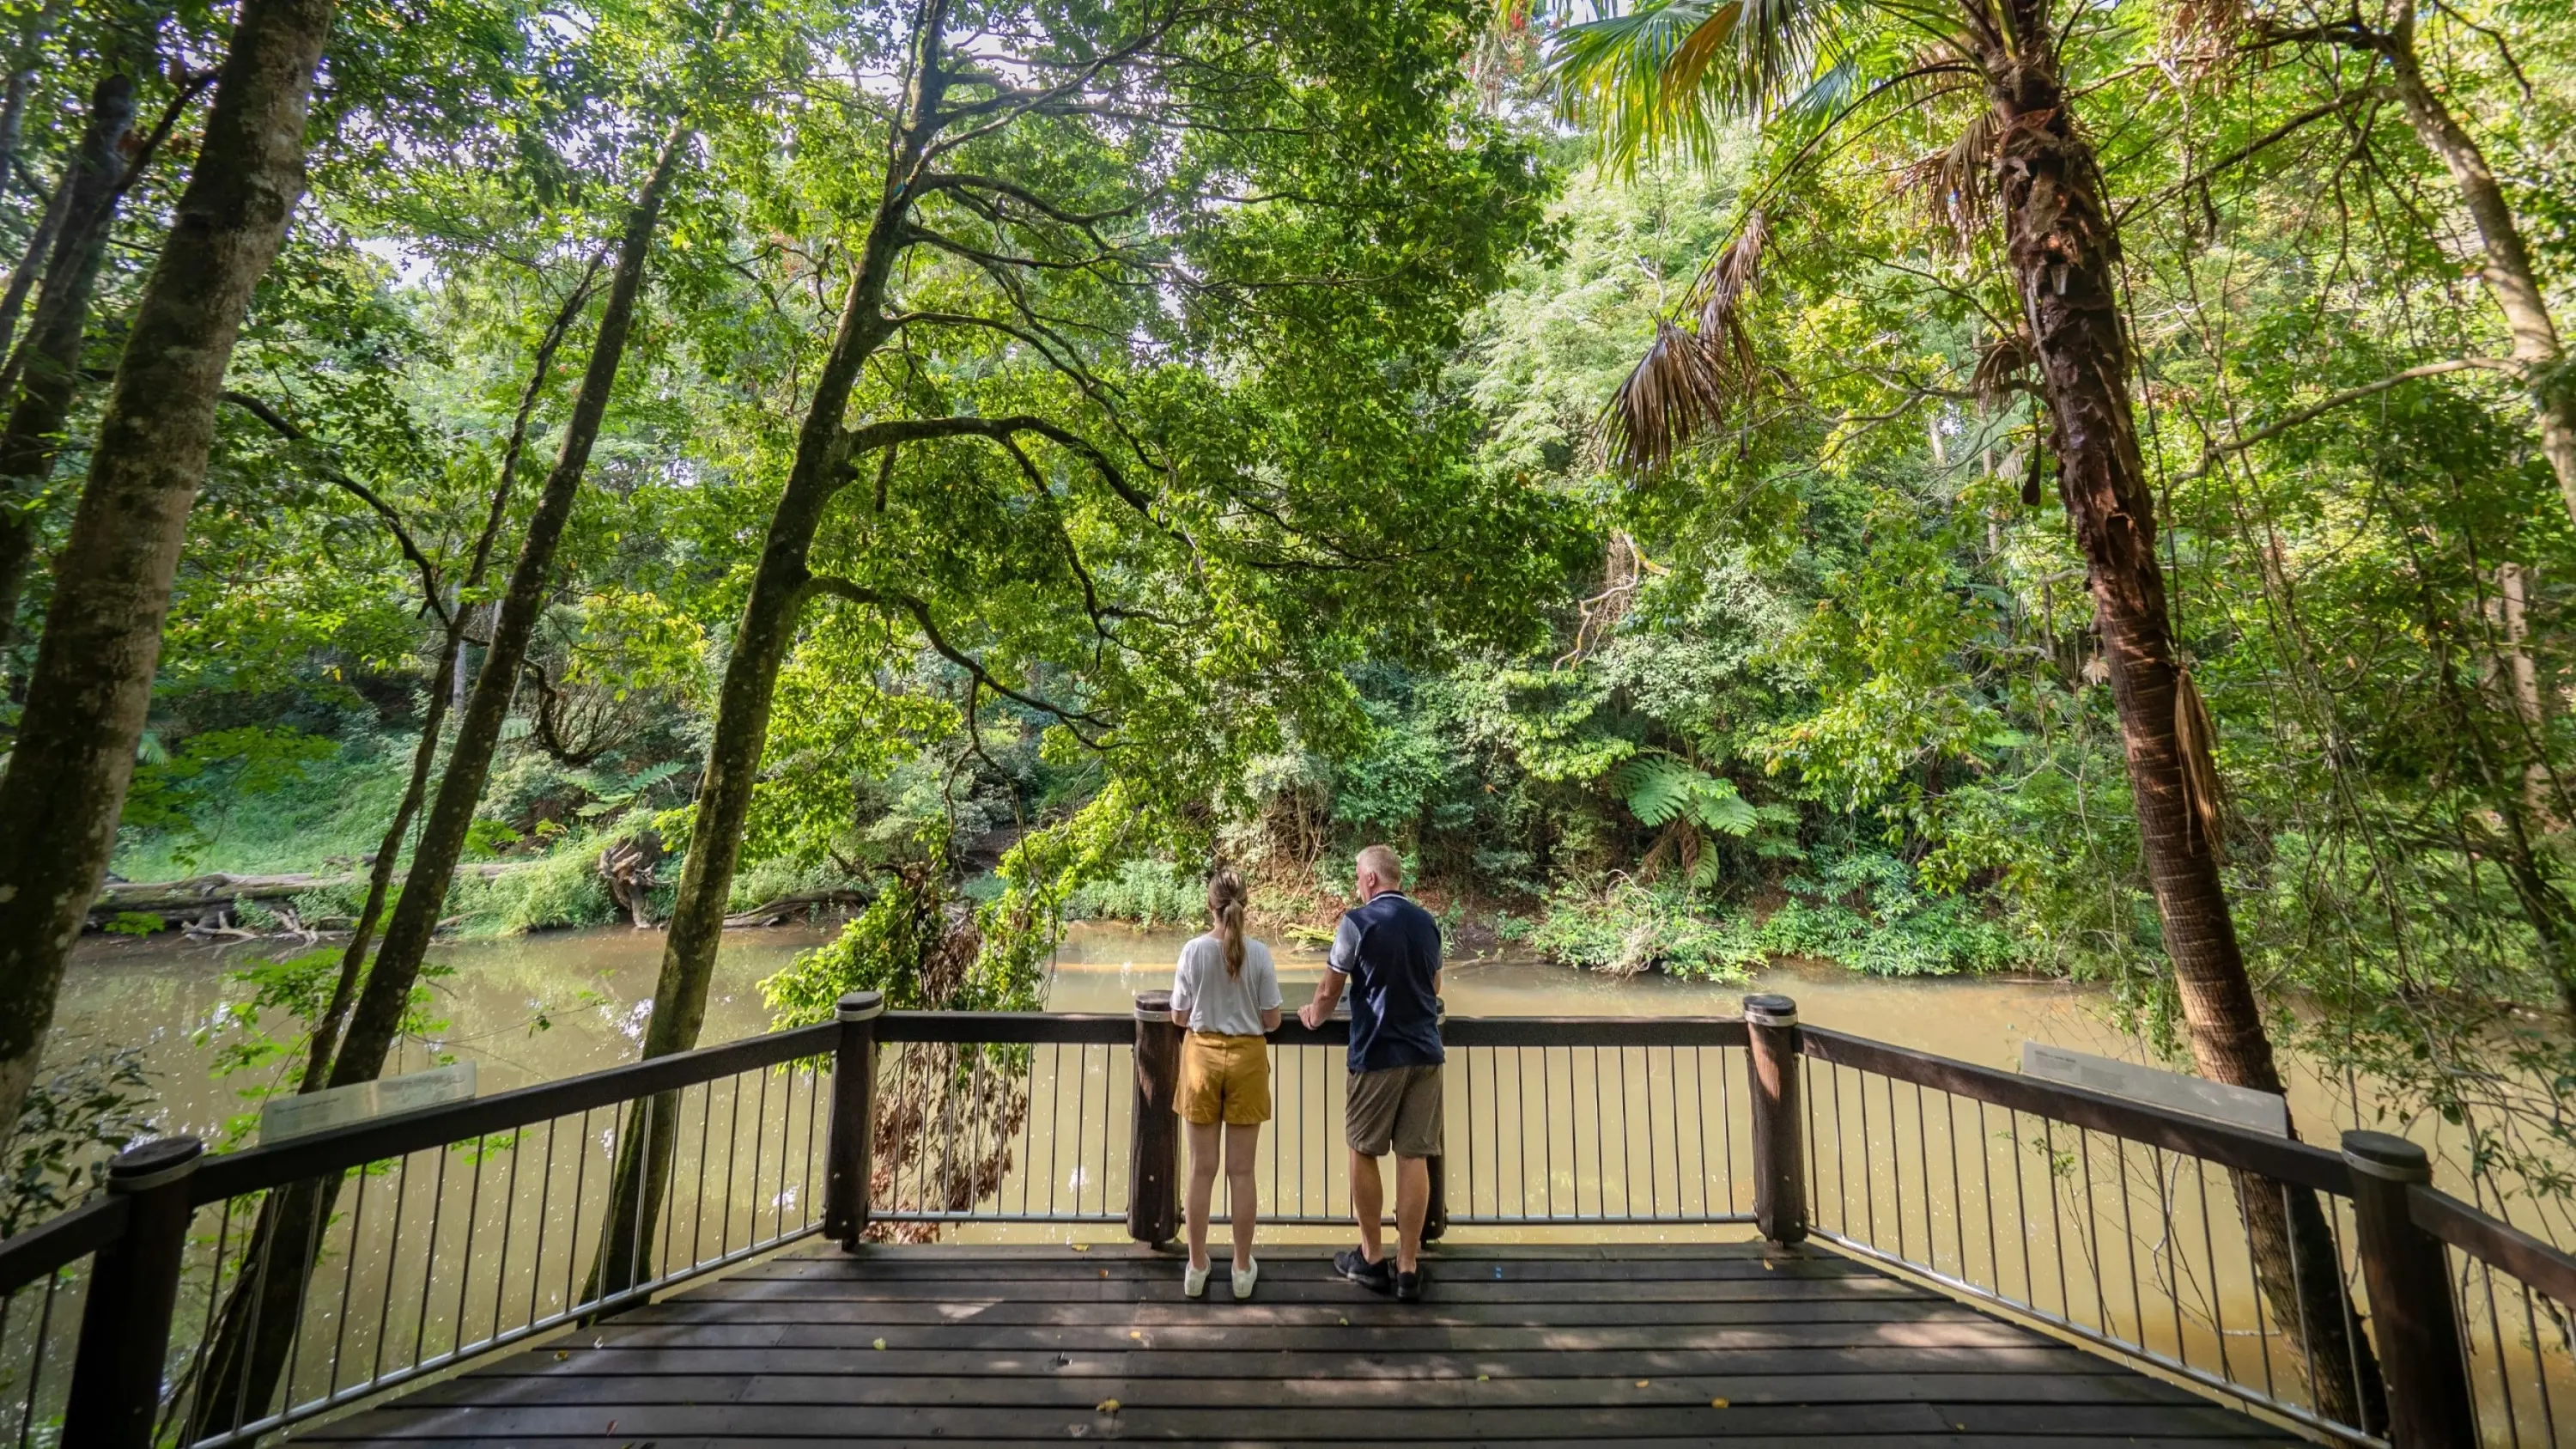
760 643
451 654
35 431
31 263
92 681
2064 255
258 1329
2508 272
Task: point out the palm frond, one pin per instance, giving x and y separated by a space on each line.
1957 183
1690 378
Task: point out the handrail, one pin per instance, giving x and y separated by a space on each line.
2490 1240
2282 1159
341 1148
58 1241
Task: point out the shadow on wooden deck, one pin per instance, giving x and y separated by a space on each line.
1667 1344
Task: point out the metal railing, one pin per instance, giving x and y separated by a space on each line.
2338 1292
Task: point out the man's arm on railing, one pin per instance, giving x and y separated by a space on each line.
1328 994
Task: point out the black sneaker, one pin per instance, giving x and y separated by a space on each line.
1408 1287
1376 1277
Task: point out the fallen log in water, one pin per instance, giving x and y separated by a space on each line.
204 899
808 906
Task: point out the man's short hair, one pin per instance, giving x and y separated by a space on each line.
1379 860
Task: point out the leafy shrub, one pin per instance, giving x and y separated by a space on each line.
1868 911
1148 892
69 1126
1632 928
561 888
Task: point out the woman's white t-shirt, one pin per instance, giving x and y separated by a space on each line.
1211 1000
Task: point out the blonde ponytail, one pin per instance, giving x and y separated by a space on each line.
1225 903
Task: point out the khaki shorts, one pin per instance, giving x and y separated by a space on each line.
1224 1079
1397 1108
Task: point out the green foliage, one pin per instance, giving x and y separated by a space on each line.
1148 892
71 1123
1631 928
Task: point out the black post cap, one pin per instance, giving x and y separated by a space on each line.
150 1164
1153 1003
2386 1155
1770 1009
860 1005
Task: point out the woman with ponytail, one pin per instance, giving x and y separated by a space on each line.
1226 993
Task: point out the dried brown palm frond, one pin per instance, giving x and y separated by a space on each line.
1957 184
1677 390
2003 367
2200 35
1688 378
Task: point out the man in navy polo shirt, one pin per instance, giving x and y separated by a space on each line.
1387 952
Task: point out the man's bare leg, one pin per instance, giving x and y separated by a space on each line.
1368 1203
1412 1205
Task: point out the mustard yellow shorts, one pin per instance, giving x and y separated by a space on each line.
1224 1079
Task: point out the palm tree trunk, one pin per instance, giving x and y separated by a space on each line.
34 434
92 681
257 1330
2064 254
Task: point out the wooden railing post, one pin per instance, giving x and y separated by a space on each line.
2412 1321
854 1089
1154 1140
1779 1154
125 1329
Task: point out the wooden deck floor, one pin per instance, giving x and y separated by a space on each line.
1575 1345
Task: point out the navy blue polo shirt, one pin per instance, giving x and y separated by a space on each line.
1390 950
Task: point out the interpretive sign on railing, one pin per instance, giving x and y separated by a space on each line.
2237 1106
281 1118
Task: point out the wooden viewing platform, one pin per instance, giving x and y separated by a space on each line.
1938 1252
1027 1345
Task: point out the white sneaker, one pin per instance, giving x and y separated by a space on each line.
1194 1282
1244 1278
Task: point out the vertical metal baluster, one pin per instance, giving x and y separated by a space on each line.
1673 1100
2056 1225
1547 1133
1958 1199
670 1237
1868 1193
640 1122
1815 1158
805 1178
733 1144
1923 1175
393 1252
509 1230
1574 1139
429 1255
1842 1154
2021 1211
2093 1228
1654 1188
303 1304
2129 1237
1725 1117
698 1205
759 1141
348 1275
2298 1294
2217 1298
2344 1281
36 1362
1895 1162
214 1301
2173 1254
2495 1335
1081 1112
1055 1119
2540 1366
580 1189
1986 1195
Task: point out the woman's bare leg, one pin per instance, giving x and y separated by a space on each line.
1203 1149
1242 1152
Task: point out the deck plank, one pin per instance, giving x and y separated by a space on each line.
1663 1345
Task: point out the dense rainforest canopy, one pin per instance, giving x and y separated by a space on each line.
1708 483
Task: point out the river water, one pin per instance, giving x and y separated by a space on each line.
541 1007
